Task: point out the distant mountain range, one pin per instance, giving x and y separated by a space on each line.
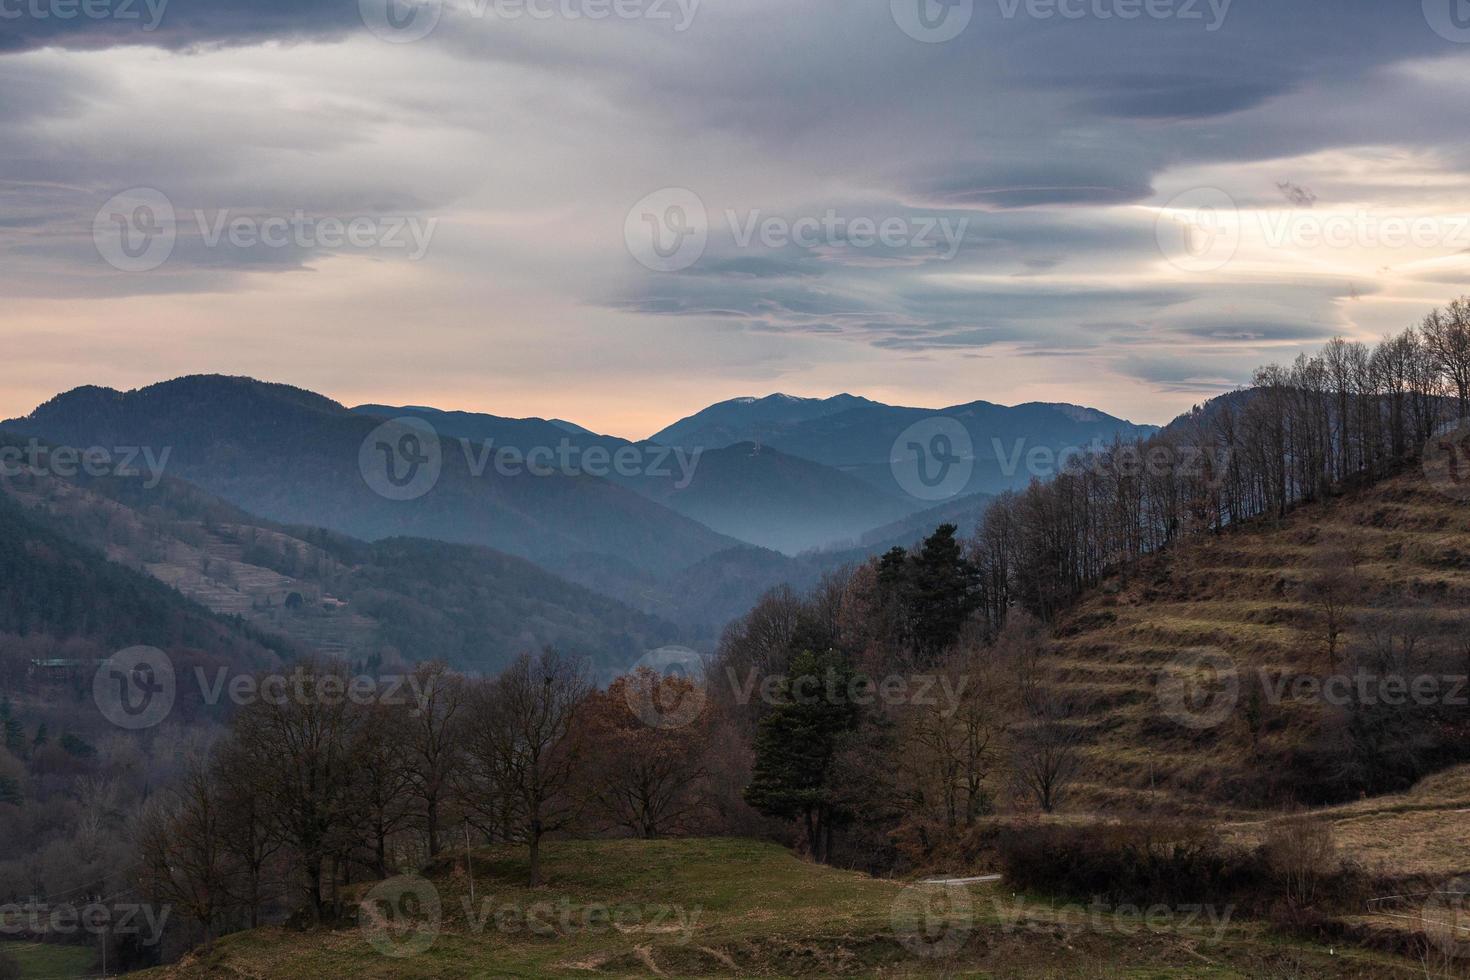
756 495
706 515
295 457
1008 446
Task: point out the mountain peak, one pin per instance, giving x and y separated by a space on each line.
189 386
745 418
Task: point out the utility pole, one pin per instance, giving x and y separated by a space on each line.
468 864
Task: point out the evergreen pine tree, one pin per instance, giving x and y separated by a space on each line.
796 745
10 791
15 736
946 591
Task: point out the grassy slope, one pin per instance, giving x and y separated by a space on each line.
51 961
756 910
1239 593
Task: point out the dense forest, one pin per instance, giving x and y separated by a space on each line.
1350 412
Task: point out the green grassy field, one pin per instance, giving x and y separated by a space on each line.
50 961
728 908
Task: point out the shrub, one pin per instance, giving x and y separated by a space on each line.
1300 853
1294 877
1141 863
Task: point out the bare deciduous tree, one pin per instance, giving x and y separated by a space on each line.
244 826
432 743
307 734
519 735
1331 588
181 850
645 778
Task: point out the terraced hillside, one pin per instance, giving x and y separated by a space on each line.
1194 675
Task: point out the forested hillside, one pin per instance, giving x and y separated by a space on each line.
57 595
295 457
399 600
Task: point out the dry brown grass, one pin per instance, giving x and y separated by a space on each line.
1242 593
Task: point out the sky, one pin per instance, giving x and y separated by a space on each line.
620 211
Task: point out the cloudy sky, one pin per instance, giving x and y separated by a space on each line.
618 211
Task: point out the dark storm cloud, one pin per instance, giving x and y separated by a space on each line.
1200 372
174 24
1176 97
1247 329
1055 138
1037 184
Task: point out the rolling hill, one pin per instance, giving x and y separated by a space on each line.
298 458
52 588
397 599
757 495
861 437
712 907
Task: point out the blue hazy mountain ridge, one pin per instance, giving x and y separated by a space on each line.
292 456
760 496
692 545
314 589
1010 444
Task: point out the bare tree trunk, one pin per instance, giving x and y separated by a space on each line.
314 888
